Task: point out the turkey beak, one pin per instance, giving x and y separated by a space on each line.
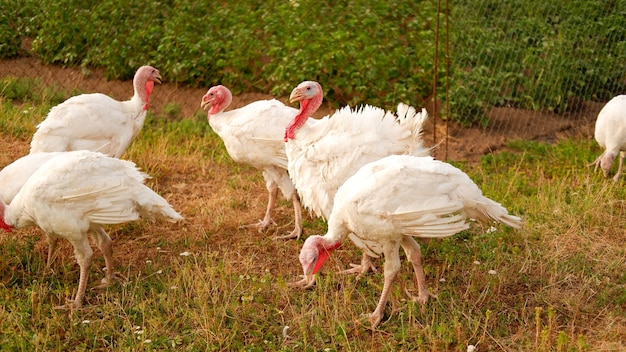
307 282
205 104
158 78
296 95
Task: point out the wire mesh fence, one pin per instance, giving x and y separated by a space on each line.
496 66
516 64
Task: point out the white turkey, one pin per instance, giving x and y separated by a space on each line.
610 134
324 153
14 175
96 121
73 194
390 201
253 135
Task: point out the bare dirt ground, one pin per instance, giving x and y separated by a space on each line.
462 143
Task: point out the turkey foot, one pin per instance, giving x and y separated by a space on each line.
261 225
307 282
422 297
294 234
360 269
373 319
70 304
106 281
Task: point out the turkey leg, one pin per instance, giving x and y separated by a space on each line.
390 271
261 225
414 255
297 210
104 242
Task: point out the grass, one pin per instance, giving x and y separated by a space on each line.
558 284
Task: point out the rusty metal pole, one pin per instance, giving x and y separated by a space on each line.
435 69
447 103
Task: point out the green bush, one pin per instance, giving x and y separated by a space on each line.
14 24
360 51
520 53
536 55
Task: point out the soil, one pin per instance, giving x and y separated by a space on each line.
461 144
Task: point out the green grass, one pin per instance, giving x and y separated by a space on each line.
555 285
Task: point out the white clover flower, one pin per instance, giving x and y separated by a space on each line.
492 272
491 229
471 348
285 328
185 254
476 262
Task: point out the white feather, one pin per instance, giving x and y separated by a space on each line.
73 194
253 135
75 191
326 152
610 133
96 121
404 195
387 203
14 175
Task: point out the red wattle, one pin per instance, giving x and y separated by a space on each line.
4 226
149 87
289 133
320 260
323 255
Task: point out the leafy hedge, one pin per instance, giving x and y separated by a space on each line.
360 52
537 54
502 52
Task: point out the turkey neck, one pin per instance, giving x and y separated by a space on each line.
307 108
143 89
325 245
222 104
3 225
